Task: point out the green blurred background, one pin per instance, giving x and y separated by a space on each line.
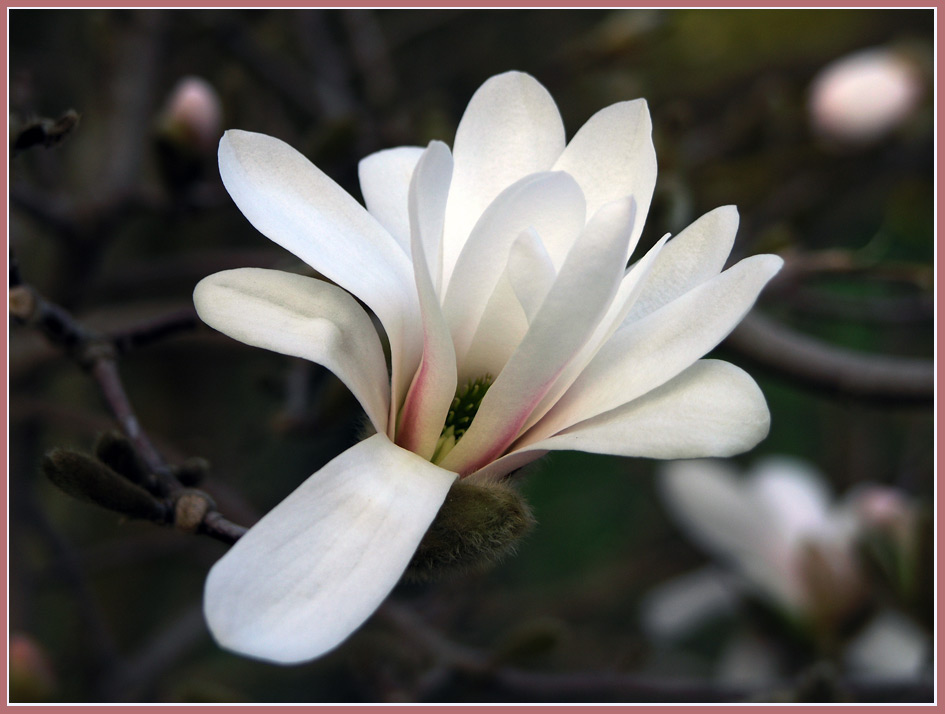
114 604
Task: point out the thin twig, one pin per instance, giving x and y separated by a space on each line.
449 657
192 510
154 330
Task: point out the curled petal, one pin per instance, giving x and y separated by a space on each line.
302 317
315 567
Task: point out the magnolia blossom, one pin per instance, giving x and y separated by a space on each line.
193 114
498 272
778 529
861 97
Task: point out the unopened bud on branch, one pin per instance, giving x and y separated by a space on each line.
90 480
477 525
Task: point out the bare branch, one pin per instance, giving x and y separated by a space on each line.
189 509
831 369
449 657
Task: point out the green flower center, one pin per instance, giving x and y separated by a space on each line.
462 412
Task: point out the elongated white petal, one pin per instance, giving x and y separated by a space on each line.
504 465
676 608
798 499
577 301
694 256
711 409
612 156
711 504
290 201
500 332
315 567
302 317
531 271
510 129
434 384
549 203
630 288
294 204
644 354
385 183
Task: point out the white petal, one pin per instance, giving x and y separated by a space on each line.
434 383
612 156
577 301
385 182
429 189
711 504
549 203
510 129
677 607
644 354
302 317
797 498
501 467
711 409
630 287
694 256
290 201
890 647
315 567
531 271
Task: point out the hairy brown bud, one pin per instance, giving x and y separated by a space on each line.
90 480
116 451
192 471
476 526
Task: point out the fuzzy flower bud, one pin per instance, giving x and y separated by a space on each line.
31 674
863 96
193 115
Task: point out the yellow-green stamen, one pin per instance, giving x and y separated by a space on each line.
462 412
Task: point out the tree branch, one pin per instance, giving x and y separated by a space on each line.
449 658
191 510
831 369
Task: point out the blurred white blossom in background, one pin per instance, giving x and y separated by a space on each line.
863 96
777 537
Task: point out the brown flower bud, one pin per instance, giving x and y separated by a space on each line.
116 451
477 525
90 480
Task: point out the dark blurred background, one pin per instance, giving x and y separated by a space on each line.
119 220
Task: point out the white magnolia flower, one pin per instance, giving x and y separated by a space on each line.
778 529
498 273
